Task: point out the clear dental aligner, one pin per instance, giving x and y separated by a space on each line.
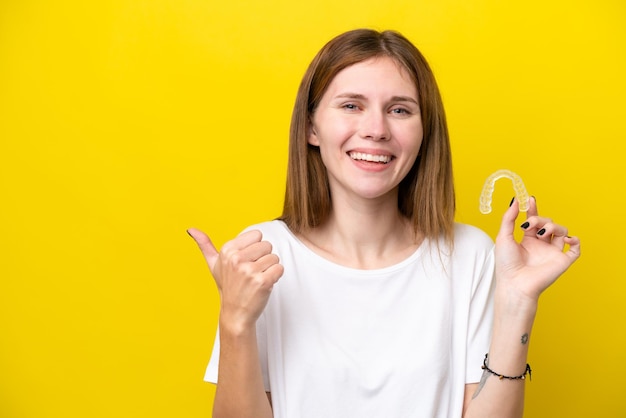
518 186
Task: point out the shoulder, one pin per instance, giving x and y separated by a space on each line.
473 254
470 239
466 232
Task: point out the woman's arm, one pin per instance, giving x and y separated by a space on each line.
503 398
245 272
240 390
523 271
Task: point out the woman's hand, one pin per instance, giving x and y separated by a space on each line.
245 272
525 269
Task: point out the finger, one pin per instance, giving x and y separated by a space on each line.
271 269
243 240
532 207
574 248
533 224
264 263
275 272
551 232
205 244
252 252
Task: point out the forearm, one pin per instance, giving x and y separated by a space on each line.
523 271
508 354
240 392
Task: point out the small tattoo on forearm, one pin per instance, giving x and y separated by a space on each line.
524 339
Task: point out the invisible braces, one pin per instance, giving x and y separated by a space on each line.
518 186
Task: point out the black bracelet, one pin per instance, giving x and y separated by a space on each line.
528 372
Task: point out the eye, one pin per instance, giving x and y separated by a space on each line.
400 111
350 106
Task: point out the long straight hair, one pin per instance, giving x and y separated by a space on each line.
426 194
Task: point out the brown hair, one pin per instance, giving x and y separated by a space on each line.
426 194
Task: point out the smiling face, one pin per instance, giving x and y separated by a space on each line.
368 128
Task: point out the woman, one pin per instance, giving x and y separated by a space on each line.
385 307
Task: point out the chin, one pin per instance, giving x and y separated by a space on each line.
378 193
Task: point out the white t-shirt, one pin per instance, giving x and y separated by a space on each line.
396 342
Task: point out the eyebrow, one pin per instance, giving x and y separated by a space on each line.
362 97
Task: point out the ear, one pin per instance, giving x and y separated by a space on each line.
312 137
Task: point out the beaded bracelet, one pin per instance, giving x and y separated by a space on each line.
528 372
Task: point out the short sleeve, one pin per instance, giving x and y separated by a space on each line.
210 374
480 320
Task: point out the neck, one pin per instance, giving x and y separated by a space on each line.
364 234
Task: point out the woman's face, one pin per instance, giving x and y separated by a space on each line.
368 127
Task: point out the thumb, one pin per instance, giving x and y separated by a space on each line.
507 227
205 244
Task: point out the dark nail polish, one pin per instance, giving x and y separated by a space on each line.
541 231
525 225
512 200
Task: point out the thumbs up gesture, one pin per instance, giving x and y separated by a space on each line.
245 271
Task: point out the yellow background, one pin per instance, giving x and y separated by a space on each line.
122 123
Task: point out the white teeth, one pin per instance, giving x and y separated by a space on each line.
370 157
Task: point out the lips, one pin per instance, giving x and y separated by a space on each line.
374 158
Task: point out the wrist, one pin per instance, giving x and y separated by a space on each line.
511 302
236 328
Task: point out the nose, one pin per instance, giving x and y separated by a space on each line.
374 126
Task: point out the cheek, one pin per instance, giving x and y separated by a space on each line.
418 137
411 138
418 149
331 135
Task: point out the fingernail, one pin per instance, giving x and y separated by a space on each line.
525 225
512 200
541 231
